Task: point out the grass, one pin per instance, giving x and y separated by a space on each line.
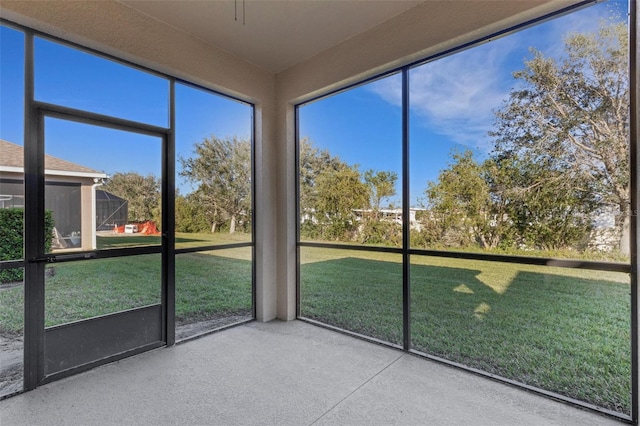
563 330
183 240
209 285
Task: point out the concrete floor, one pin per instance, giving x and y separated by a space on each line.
283 374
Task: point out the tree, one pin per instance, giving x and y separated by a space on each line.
141 192
381 185
222 170
461 204
544 210
338 194
191 214
312 162
571 115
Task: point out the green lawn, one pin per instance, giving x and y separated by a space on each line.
209 285
564 330
183 240
559 329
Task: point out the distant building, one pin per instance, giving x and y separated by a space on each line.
393 215
70 193
111 211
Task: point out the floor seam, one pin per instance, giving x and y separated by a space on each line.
356 389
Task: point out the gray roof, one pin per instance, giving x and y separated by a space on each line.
11 155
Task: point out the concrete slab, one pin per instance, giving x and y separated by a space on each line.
282 374
414 391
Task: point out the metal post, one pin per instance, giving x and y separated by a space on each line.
634 162
406 225
34 229
168 221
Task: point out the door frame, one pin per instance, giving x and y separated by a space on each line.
35 258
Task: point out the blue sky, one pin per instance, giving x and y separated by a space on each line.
79 80
452 105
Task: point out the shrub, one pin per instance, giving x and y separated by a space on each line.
12 242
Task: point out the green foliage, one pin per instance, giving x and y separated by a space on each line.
571 115
12 241
312 162
462 208
381 185
191 215
222 170
339 193
379 232
141 192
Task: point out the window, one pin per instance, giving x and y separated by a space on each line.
514 259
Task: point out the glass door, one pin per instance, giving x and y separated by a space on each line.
101 262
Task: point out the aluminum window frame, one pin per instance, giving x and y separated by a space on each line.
34 113
406 251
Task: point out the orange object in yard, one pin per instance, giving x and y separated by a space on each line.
148 228
118 229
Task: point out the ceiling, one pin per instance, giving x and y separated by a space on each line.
273 34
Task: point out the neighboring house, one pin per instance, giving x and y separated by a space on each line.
111 211
393 215
70 193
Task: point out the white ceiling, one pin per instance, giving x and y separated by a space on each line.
273 34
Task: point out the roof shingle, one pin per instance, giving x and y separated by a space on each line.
11 155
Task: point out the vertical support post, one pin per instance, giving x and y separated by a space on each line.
297 204
634 162
406 225
34 229
254 269
168 221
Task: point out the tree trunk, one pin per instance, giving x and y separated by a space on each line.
625 235
213 227
232 226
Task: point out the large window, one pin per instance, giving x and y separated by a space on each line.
502 244
214 211
103 140
350 174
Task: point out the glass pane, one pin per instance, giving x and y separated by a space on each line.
350 166
352 290
87 289
70 77
11 206
213 289
520 145
102 187
564 330
213 154
12 83
11 330
11 141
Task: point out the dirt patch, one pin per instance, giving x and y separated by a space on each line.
11 358
192 329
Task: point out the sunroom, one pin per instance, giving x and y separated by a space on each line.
453 181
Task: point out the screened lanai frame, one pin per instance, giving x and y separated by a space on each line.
406 251
34 115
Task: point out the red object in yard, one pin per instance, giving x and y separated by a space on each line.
148 228
118 229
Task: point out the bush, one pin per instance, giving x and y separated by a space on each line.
381 233
12 242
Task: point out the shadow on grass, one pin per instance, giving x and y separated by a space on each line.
566 334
